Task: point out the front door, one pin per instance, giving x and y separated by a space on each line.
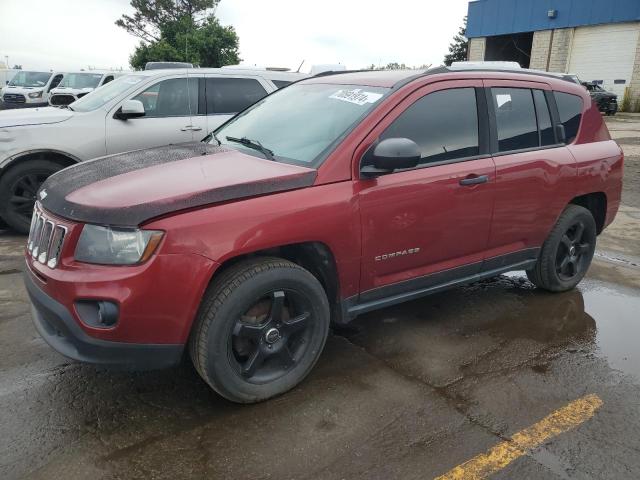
170 105
430 224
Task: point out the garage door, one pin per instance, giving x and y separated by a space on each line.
605 52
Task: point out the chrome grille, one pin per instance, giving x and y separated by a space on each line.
45 239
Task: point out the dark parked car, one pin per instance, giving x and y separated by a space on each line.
327 199
607 102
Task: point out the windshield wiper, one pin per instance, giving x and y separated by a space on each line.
255 144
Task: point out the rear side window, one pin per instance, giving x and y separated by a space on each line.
232 95
570 111
515 118
444 124
545 127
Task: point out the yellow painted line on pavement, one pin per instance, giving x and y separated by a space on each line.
498 457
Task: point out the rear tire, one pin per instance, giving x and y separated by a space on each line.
18 189
260 330
567 253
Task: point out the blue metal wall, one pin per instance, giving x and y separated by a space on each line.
498 17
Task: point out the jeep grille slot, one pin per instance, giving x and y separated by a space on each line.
46 239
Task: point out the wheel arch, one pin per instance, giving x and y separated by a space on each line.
63 158
596 203
314 256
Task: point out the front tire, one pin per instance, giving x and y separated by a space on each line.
260 330
567 253
18 189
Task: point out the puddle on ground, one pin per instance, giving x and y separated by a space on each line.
604 314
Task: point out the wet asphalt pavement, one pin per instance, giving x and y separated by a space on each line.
409 392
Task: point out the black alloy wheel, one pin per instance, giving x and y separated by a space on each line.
567 252
261 328
272 336
571 257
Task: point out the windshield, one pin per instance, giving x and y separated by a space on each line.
30 79
81 80
108 92
299 123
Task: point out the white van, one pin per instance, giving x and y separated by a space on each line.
30 89
139 110
76 85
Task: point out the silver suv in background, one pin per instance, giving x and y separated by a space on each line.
76 85
139 110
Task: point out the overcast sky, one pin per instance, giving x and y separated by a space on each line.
74 34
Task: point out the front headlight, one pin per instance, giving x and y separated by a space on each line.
116 246
35 94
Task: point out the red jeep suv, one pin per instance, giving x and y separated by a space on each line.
335 196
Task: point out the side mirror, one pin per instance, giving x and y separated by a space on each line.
130 109
389 155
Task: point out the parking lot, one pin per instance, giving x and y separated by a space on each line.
496 378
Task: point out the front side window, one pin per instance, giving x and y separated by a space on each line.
232 95
515 118
570 111
301 123
30 79
81 80
444 124
170 98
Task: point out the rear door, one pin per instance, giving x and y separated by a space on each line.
533 170
429 225
227 95
171 106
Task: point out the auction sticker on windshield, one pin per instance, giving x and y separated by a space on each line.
357 96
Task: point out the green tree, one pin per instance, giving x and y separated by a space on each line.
180 31
459 47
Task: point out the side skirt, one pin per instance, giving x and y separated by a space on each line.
352 307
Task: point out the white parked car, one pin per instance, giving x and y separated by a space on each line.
138 110
30 89
76 85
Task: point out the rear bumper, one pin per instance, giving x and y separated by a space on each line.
59 329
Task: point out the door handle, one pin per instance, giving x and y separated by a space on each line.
190 128
474 180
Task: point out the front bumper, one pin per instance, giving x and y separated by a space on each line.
59 329
10 105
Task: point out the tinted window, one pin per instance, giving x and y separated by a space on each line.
280 83
570 111
170 98
544 119
444 124
232 95
515 118
302 123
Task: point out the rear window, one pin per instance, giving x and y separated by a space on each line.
570 111
232 95
515 119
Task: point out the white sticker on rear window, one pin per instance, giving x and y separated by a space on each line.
502 99
357 96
